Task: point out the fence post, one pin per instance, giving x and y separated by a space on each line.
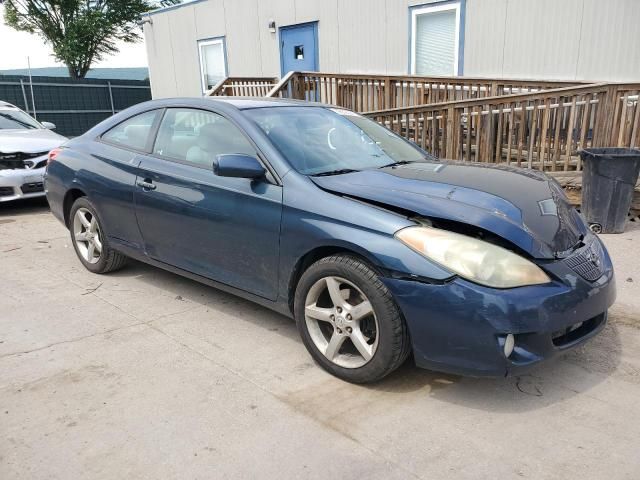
387 93
113 110
24 96
297 91
452 134
495 89
603 124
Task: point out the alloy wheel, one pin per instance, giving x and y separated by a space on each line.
341 322
86 233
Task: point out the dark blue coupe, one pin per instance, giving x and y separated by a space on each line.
377 249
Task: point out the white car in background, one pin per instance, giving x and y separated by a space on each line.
24 146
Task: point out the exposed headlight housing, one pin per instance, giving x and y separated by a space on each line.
473 259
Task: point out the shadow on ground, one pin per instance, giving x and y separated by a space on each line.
569 374
28 206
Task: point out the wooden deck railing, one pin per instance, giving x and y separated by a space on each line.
243 87
364 93
534 124
542 130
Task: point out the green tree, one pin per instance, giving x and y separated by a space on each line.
80 32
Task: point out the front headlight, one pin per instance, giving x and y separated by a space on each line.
473 259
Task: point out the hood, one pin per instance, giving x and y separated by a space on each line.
29 140
525 207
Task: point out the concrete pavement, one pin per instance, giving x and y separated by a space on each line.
144 374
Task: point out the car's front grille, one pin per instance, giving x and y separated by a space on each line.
32 187
576 331
11 163
18 160
587 262
6 191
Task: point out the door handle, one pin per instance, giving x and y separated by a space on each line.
146 184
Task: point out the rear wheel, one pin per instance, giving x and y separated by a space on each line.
349 321
89 240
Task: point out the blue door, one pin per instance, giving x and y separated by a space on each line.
299 48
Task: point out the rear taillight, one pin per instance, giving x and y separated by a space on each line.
53 154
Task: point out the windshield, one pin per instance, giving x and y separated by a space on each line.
318 140
12 119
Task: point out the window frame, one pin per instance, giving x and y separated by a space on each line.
159 112
271 176
439 6
203 43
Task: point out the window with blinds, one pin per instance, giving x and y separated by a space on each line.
434 47
213 67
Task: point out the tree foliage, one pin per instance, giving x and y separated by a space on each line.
80 32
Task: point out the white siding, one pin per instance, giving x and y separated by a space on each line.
160 56
363 29
185 52
484 37
545 39
555 40
284 11
610 41
541 37
244 48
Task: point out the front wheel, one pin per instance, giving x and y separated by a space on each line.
90 241
349 321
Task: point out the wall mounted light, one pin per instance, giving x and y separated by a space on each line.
146 19
272 26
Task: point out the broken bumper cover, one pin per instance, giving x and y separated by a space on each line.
459 327
22 183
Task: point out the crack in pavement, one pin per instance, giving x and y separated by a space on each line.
72 340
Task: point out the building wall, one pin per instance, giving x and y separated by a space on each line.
553 39
545 39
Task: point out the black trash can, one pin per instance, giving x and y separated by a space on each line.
608 180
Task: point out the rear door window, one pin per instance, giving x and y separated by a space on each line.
134 132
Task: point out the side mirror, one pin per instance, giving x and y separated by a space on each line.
238 165
49 125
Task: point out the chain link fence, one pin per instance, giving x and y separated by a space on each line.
73 105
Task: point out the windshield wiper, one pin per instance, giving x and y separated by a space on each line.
335 172
395 164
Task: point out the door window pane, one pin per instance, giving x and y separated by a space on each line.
134 132
197 137
435 34
212 64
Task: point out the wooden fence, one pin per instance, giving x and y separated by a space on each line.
542 130
534 124
363 93
244 87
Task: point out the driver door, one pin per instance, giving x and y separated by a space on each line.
225 229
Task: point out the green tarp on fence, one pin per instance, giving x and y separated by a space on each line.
73 105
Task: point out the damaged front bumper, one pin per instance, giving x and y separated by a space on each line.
20 183
460 327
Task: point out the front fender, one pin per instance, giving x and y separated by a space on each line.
320 219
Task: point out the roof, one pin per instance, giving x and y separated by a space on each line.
173 7
244 103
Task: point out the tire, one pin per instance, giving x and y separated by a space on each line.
107 259
388 346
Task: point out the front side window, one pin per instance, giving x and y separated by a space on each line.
134 132
435 32
213 66
198 136
15 119
318 140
